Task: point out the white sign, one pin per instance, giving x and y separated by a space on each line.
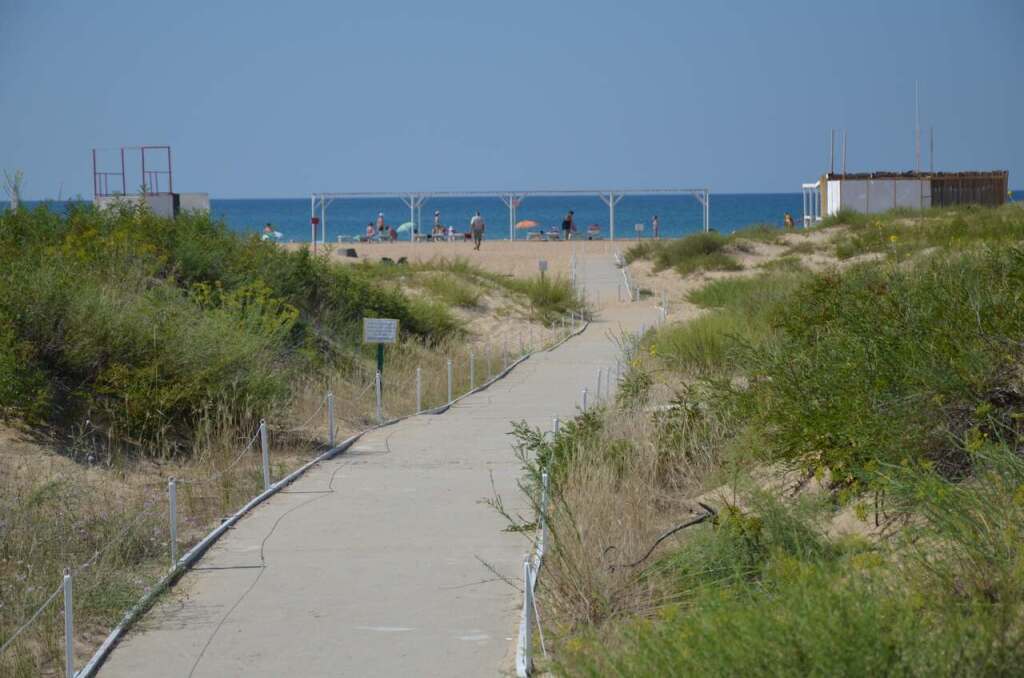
542 264
639 228
380 331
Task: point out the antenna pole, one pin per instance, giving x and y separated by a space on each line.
917 129
844 153
832 151
931 149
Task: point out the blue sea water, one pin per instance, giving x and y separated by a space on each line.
678 214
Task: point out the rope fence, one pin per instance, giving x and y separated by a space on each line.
457 376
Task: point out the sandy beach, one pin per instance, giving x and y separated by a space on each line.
518 258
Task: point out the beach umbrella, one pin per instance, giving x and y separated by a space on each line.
405 228
526 223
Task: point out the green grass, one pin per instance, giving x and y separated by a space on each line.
697 252
895 384
741 316
453 290
144 325
900 233
764 592
893 365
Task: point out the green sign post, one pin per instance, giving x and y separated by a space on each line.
380 331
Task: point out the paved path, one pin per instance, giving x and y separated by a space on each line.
372 563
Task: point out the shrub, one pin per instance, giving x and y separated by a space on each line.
894 364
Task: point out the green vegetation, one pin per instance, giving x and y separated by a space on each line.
145 326
860 433
461 283
698 252
741 315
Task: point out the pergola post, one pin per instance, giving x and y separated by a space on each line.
612 200
323 221
312 223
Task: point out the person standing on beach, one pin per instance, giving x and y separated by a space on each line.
380 222
567 226
655 226
787 221
393 234
437 221
370 232
477 226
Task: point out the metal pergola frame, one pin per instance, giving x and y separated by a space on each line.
512 200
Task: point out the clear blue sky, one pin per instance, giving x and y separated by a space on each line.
278 99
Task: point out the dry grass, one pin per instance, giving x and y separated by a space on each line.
56 512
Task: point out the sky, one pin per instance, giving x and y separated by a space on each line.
279 99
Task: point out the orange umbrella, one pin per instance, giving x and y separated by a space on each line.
527 223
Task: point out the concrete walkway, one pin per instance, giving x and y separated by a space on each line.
372 564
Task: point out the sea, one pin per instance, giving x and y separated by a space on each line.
678 215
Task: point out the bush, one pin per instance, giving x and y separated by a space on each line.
145 325
895 365
697 252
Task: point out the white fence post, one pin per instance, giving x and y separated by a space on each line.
266 454
330 419
449 379
380 407
69 626
528 615
583 400
419 390
543 512
172 497
472 371
556 425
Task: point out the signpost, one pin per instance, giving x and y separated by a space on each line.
639 229
380 331
542 264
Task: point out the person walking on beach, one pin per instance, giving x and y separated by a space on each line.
476 227
567 226
655 227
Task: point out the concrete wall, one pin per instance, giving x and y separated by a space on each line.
162 204
873 196
194 202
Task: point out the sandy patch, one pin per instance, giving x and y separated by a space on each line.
519 258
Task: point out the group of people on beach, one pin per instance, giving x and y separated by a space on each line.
381 230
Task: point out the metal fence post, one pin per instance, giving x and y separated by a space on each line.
172 497
419 390
380 407
69 626
449 379
528 614
543 511
472 371
330 419
266 454
600 373
556 425
583 400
